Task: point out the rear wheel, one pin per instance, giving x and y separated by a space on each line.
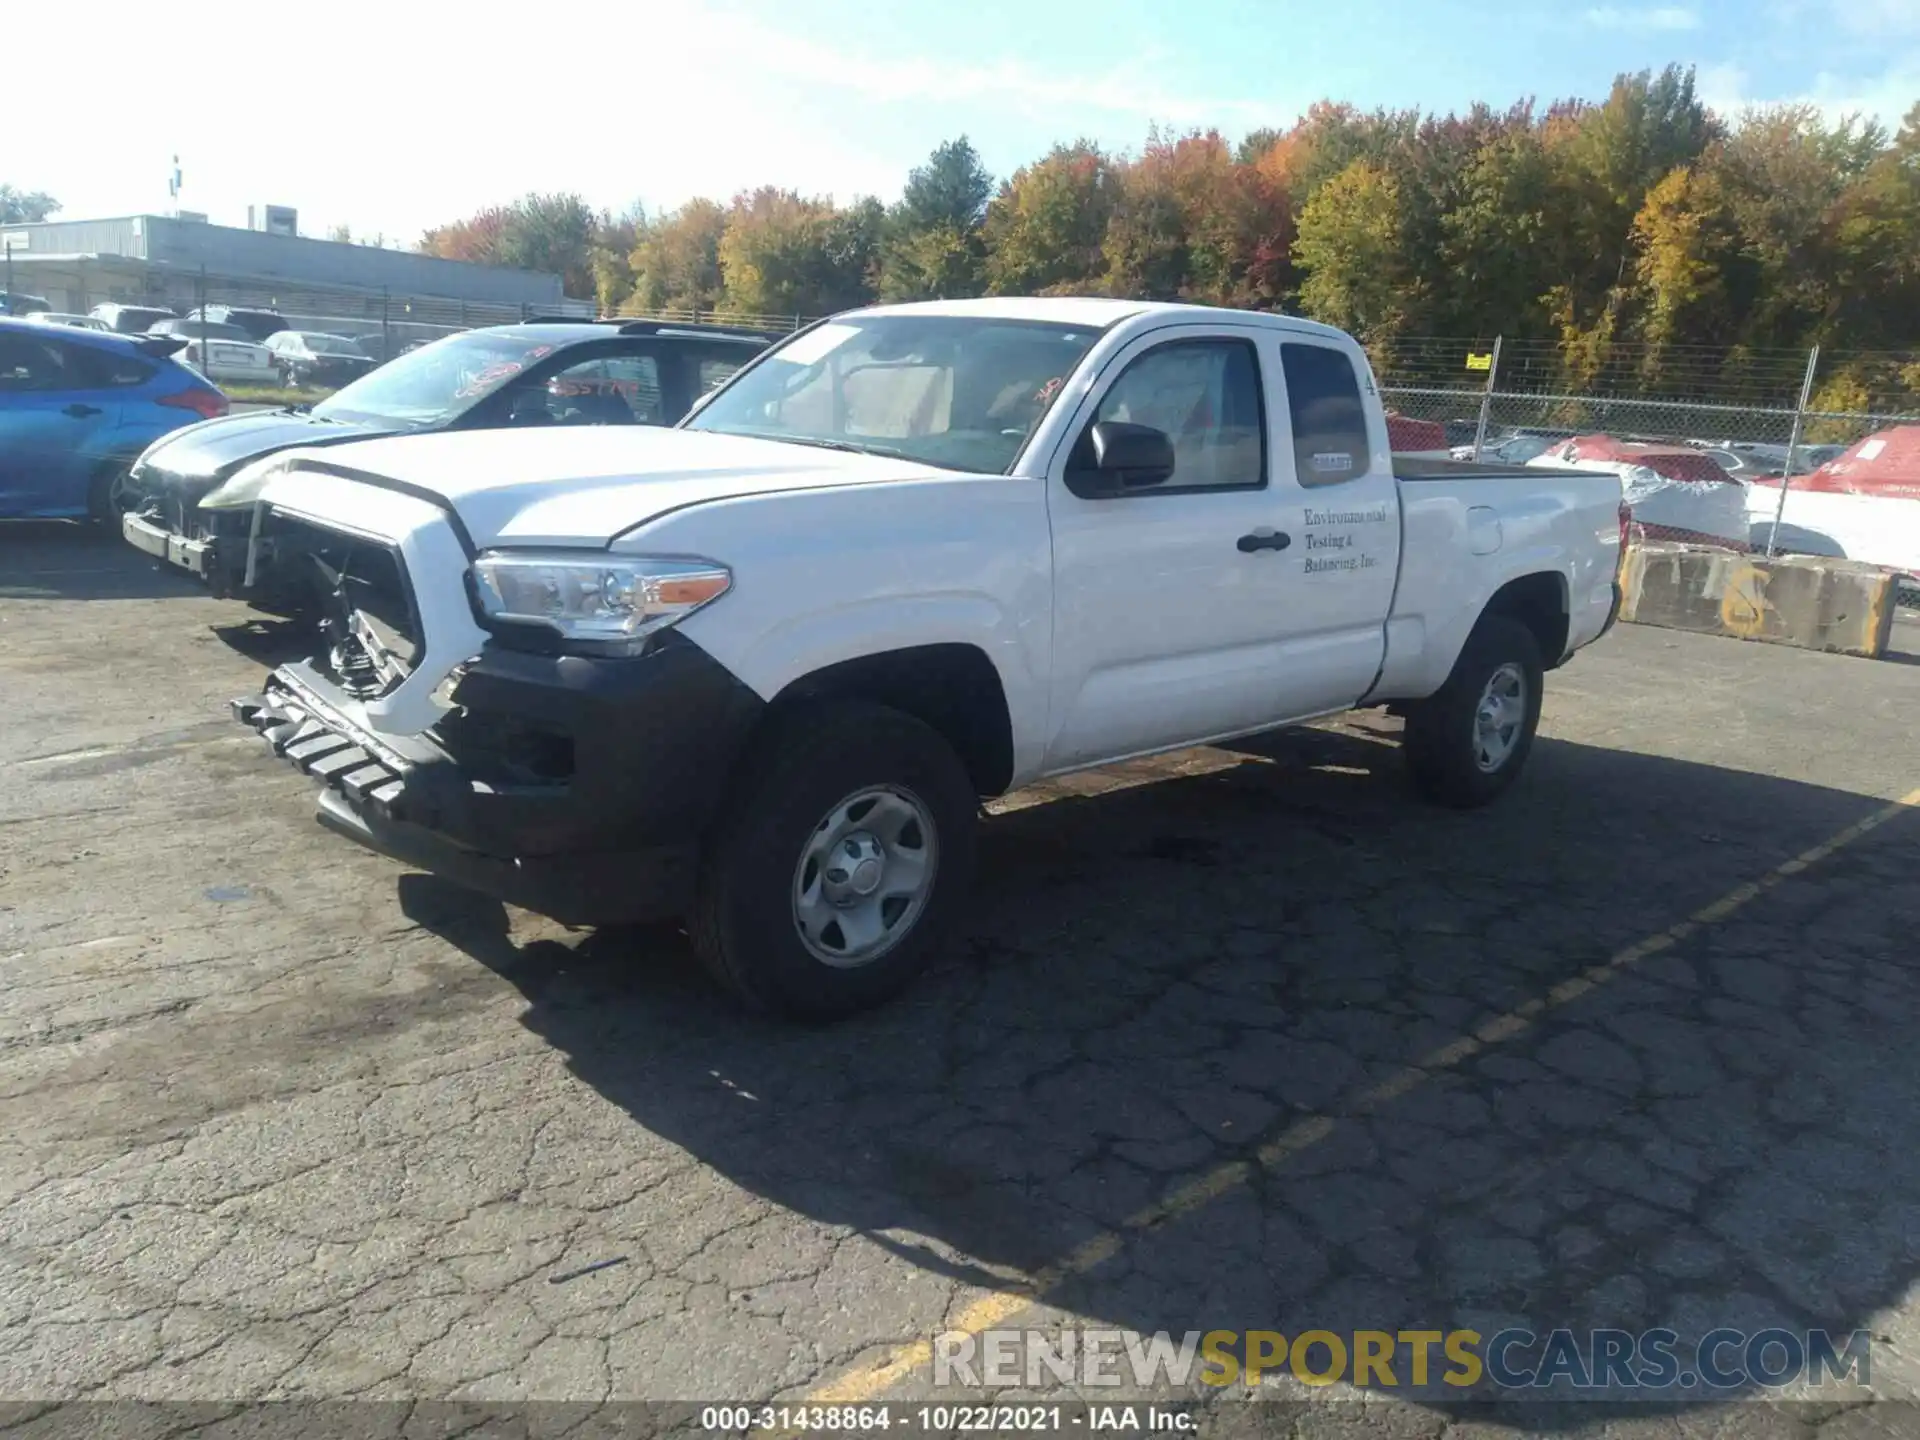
842 864
1469 740
109 494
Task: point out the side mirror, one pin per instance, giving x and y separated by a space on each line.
1130 457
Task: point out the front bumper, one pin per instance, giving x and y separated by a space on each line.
579 788
191 555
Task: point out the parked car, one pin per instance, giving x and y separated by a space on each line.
75 322
1511 450
1747 465
760 669
1674 492
130 319
77 407
222 352
640 373
257 323
313 358
18 302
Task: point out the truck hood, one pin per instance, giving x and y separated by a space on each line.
586 485
195 457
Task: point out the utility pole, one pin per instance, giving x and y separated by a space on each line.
1486 398
1793 447
10 301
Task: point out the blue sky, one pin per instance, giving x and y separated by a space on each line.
390 116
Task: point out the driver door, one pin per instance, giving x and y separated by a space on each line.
1167 628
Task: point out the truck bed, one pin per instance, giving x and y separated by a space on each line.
1419 467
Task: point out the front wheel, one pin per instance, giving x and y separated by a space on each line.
843 862
1469 740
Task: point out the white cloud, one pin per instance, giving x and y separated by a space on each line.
1885 97
1664 17
1878 18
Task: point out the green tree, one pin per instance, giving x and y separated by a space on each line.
1045 229
1876 247
1349 248
1785 174
933 247
25 207
1494 245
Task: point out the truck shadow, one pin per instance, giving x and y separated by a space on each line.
71 560
1162 977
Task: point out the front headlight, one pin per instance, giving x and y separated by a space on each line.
598 603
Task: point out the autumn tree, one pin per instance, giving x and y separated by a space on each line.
475 239
1686 244
1191 222
1349 248
1045 228
675 260
782 254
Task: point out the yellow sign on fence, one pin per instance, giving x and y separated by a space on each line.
1480 362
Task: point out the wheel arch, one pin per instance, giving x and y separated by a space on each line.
1541 601
953 687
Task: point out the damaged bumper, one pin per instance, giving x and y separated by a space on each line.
579 788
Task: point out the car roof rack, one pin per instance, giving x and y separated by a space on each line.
696 327
562 320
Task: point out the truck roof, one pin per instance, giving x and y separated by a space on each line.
1085 310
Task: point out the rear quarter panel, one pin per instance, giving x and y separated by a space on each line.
826 575
1566 525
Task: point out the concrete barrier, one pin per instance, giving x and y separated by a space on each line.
1804 600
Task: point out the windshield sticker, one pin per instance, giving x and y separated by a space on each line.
1332 462
485 378
816 345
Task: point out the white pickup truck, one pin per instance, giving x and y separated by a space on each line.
758 671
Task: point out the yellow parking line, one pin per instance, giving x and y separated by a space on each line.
997 1307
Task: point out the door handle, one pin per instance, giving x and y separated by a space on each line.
80 412
1264 540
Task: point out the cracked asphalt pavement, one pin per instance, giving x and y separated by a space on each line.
279 1119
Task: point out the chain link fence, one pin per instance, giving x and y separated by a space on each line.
1812 480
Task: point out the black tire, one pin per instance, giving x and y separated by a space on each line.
1442 739
744 924
106 502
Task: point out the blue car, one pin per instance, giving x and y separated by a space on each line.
76 409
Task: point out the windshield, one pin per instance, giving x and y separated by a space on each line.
436 382
330 344
958 392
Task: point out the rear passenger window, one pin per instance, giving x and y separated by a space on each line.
714 372
96 368
27 363
612 390
1329 422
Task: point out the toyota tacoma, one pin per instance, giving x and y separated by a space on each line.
758 671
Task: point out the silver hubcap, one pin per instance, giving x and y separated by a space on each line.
1499 718
864 876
